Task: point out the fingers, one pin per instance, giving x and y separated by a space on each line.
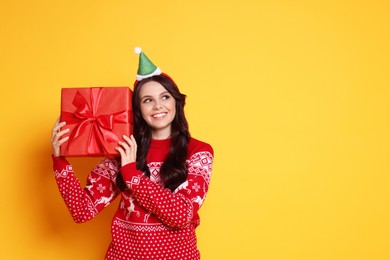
56 144
57 137
129 143
133 139
58 125
63 140
127 150
125 146
56 128
120 151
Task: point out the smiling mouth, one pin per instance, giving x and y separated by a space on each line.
160 115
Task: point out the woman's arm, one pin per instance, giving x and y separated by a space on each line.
85 203
178 208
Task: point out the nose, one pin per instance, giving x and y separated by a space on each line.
157 106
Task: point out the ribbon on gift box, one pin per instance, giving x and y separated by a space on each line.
85 115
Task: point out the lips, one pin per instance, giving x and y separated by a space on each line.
159 115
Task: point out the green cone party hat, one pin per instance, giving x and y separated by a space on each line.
146 68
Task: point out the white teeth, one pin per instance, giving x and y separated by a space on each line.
159 115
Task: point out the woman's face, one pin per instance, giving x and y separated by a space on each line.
158 109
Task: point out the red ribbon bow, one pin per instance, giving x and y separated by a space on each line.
100 133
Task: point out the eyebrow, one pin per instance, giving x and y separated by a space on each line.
162 93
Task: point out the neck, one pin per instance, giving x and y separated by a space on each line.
161 135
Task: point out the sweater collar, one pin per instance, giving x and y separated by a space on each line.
164 143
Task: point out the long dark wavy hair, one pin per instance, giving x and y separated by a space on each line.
173 171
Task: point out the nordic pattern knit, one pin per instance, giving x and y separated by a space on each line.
151 222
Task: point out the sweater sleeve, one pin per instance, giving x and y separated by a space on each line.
85 203
175 209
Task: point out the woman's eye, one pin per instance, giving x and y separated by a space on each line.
146 100
165 97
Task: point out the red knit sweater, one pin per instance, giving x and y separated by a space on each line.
151 222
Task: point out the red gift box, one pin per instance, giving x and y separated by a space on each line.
97 118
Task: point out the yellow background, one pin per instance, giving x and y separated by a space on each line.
292 95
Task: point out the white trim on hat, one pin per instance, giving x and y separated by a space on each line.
154 73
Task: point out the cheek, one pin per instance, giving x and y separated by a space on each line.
144 110
173 106
173 112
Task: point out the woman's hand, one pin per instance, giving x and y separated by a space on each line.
57 138
127 150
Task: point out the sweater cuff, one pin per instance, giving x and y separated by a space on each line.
131 175
59 162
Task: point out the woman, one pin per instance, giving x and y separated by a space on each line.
162 175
